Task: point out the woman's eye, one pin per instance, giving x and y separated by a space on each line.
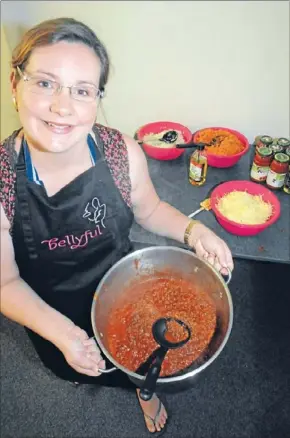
82 92
44 84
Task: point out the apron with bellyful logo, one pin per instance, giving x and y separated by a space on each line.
65 243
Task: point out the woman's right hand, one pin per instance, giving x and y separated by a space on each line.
81 352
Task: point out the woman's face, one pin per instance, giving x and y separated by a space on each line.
57 122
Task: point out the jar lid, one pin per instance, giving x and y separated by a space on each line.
282 158
266 139
276 148
284 141
287 152
265 151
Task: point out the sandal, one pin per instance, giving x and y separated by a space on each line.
153 420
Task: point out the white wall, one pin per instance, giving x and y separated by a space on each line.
200 63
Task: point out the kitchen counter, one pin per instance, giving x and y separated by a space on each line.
170 179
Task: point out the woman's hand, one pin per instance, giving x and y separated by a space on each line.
81 353
210 247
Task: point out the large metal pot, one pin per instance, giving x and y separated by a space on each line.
186 263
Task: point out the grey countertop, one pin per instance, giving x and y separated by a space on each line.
170 179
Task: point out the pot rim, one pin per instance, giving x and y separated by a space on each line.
162 380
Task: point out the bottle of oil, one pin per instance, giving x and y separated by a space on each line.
198 166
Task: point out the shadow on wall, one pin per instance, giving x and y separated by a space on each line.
14 33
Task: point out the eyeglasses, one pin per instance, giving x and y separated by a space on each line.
47 87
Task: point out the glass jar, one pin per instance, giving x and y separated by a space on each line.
284 143
261 164
278 171
286 187
276 148
264 141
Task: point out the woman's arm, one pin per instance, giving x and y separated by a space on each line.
161 218
149 211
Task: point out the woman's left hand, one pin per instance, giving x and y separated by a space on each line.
210 247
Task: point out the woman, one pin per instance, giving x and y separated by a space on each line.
70 189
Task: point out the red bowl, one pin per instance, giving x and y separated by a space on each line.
163 153
253 189
224 160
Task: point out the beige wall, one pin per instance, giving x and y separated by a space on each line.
9 118
199 63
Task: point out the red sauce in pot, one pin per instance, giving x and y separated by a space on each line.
130 322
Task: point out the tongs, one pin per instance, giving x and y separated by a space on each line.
204 205
190 145
171 136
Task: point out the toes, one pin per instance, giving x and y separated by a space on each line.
150 425
158 426
163 418
161 421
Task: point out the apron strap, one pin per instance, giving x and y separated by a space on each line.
24 210
94 148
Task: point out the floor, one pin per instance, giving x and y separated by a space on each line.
246 393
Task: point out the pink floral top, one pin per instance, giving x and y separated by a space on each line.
115 152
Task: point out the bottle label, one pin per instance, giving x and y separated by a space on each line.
259 173
195 172
275 179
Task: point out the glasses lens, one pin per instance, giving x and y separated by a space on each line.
86 93
42 86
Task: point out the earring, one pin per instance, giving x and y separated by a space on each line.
15 103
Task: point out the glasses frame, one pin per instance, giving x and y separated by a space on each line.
26 77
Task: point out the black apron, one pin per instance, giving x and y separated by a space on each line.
65 243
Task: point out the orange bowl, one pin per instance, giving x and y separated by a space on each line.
253 189
170 153
223 161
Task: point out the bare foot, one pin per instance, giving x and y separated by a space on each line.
155 414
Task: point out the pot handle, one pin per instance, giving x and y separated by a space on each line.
104 371
229 275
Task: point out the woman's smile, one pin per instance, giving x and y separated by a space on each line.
58 128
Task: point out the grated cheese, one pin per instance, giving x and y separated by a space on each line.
244 208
